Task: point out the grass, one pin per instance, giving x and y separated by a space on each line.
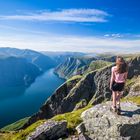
21 135
73 118
135 99
15 126
99 64
76 77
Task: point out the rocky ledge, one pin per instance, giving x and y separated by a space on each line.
99 123
49 130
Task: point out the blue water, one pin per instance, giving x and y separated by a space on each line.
18 102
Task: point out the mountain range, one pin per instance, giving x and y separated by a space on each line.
85 93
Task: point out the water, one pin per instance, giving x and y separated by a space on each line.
18 102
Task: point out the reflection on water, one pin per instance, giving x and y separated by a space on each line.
18 102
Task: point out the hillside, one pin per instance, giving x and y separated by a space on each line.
73 66
78 94
42 61
17 72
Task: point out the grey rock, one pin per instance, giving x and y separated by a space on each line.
102 124
81 104
80 128
134 90
50 130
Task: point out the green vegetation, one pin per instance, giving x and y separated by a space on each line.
21 134
135 99
15 126
97 65
76 77
135 81
81 104
128 57
73 118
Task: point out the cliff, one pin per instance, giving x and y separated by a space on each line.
73 66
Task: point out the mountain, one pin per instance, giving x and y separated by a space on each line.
73 66
60 57
42 61
81 100
17 72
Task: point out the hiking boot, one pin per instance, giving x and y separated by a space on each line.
113 108
119 110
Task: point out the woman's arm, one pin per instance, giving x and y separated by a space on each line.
112 78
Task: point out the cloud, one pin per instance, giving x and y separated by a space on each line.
64 15
115 35
72 43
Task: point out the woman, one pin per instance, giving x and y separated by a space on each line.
117 82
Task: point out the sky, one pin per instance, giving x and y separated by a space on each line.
75 25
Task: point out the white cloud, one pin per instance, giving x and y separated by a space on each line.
65 15
115 35
72 43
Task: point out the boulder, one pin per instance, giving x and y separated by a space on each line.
102 124
49 130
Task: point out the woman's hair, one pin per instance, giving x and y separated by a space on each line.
122 66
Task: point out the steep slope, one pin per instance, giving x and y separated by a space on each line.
17 71
73 66
60 57
93 87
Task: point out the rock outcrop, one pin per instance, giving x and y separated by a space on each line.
134 90
102 124
50 130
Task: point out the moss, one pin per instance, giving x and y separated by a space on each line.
135 99
136 88
6 136
21 135
15 126
81 103
99 64
75 78
73 118
135 82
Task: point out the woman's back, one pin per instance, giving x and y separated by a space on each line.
118 77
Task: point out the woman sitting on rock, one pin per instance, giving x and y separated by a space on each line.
117 82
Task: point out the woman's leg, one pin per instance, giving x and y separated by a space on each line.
114 98
118 98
